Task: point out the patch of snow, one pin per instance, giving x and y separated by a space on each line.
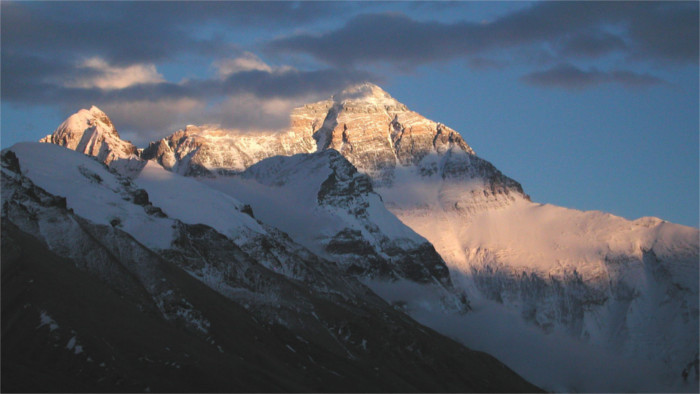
283 192
194 202
97 196
71 344
46 320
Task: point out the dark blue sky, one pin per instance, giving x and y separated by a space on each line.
590 105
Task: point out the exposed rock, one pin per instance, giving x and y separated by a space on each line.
376 133
92 133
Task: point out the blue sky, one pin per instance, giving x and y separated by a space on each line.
590 105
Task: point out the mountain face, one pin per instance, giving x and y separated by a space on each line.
201 151
613 286
353 228
321 201
90 131
149 302
376 133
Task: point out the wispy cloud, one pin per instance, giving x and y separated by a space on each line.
592 44
246 62
246 93
112 54
568 31
102 75
124 33
568 76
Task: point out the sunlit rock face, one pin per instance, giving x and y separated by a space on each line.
376 133
202 150
380 136
90 131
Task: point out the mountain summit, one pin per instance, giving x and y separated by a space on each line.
379 135
91 132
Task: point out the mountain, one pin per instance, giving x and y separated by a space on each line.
354 228
105 290
202 150
321 201
90 131
376 133
563 279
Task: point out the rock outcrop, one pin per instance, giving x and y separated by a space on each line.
90 131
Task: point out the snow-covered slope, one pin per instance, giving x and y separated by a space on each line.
204 303
322 202
93 192
629 287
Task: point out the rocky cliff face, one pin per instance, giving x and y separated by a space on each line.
90 131
204 150
376 133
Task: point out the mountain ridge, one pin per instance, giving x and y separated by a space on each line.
195 311
589 275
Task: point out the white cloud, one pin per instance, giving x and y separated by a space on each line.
105 76
248 112
145 121
246 62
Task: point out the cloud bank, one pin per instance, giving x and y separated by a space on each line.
115 54
653 31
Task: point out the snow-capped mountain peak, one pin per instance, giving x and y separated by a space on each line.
91 132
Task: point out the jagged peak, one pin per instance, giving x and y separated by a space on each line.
90 131
86 118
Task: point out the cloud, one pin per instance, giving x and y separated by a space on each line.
246 94
592 44
144 83
247 112
106 76
91 29
651 31
667 31
112 54
143 121
124 33
482 63
568 76
247 62
388 37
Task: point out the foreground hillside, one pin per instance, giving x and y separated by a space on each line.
105 291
